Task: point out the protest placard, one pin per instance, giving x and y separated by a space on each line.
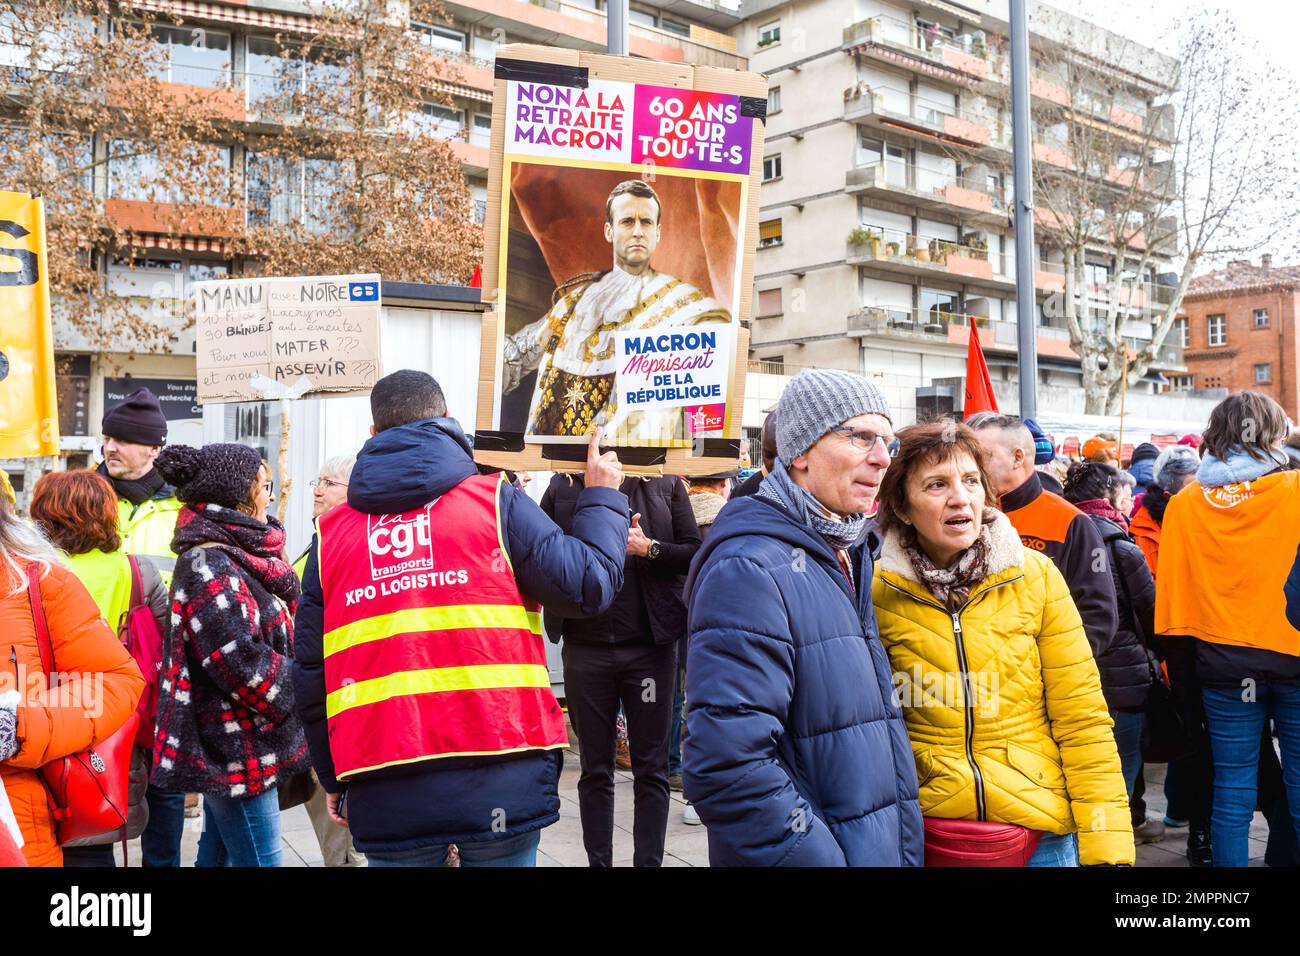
273 338
622 206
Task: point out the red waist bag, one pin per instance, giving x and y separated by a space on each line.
978 843
87 791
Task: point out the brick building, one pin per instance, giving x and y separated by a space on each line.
1239 331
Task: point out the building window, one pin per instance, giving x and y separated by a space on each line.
1263 374
769 33
481 133
769 233
673 26
772 168
193 56
439 121
1218 330
1183 332
769 303
1181 383
774 100
136 171
1261 318
440 38
641 17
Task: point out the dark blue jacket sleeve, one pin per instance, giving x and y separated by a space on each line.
1292 589
309 672
573 575
739 687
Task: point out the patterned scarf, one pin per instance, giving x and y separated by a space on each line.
952 585
841 533
1100 506
258 547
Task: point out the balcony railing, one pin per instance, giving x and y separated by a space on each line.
971 193
693 51
965 53
961 127
973 260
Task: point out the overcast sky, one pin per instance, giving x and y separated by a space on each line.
1270 27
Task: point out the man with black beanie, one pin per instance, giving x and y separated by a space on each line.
134 433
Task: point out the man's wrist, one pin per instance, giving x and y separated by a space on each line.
653 549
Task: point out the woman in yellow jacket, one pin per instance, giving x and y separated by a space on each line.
997 682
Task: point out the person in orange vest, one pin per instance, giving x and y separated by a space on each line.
420 672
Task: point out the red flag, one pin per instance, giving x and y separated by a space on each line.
476 280
979 387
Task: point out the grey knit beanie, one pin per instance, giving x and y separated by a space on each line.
818 399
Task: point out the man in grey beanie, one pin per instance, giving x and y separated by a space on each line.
796 753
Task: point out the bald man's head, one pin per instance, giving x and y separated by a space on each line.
1008 449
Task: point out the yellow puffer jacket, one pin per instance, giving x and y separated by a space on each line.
1003 701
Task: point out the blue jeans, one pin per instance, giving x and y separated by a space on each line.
1236 729
516 851
240 832
1128 741
1055 850
675 731
160 843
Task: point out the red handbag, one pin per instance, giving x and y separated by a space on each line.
139 632
978 843
87 791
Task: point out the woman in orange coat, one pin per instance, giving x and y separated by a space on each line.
35 729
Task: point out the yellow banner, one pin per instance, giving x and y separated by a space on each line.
29 415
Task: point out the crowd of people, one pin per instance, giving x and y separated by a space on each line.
936 645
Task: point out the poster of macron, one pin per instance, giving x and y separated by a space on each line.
623 222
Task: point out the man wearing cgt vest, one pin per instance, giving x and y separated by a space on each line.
420 672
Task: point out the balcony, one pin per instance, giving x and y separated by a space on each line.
914 257
556 23
935 326
967 197
190 219
962 60
924 120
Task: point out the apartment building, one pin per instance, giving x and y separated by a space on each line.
227 50
1238 332
886 225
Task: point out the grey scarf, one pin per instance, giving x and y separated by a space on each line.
840 533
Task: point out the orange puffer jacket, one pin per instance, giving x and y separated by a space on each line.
85 711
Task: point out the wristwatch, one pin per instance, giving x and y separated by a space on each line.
655 550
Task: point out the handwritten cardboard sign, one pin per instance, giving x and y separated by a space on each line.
272 338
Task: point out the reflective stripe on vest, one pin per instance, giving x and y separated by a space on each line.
148 530
430 649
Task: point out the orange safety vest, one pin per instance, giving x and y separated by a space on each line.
430 650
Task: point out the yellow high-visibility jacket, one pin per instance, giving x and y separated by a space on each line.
1003 701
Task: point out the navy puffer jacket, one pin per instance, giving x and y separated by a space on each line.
797 754
459 799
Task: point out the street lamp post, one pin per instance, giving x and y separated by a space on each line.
1023 156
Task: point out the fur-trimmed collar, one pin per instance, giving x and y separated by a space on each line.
1005 551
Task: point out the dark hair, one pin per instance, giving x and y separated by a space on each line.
926 444
1090 479
633 187
1250 421
405 396
77 510
249 505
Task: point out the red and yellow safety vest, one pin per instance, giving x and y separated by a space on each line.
430 650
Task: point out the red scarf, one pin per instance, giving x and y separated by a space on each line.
1100 506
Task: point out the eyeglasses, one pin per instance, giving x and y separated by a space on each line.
865 440
328 483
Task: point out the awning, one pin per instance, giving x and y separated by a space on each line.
224 13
